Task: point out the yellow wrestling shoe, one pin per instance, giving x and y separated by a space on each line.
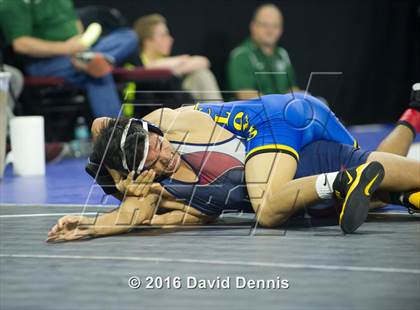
410 200
356 186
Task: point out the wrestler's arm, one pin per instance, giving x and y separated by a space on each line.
166 119
185 120
185 108
178 217
161 117
132 211
126 186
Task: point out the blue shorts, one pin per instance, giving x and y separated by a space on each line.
278 123
323 157
326 156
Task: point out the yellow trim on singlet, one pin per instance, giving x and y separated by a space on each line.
273 147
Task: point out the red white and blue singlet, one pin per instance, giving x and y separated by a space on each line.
220 174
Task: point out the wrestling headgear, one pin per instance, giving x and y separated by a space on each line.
148 127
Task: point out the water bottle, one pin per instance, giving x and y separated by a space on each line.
81 145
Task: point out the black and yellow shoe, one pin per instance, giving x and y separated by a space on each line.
356 186
410 200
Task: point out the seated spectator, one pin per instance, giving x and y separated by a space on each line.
45 34
260 53
155 50
53 151
16 86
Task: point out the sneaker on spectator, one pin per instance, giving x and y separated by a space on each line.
95 64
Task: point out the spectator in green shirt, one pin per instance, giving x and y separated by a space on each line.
45 34
260 53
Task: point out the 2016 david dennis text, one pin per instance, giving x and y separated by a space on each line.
193 282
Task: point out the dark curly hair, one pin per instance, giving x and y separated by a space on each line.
107 145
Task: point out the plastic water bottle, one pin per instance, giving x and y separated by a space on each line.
81 145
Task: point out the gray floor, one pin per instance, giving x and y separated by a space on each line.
377 268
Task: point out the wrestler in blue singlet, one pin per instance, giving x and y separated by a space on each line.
220 170
278 123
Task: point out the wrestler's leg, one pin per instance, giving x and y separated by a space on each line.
398 141
274 195
401 184
401 174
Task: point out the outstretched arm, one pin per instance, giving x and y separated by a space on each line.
133 211
178 217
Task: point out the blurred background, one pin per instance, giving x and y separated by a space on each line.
372 46
375 44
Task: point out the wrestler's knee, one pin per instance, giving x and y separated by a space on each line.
270 220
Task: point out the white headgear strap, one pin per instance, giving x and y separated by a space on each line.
146 146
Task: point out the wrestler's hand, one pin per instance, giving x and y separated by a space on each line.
140 187
70 228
